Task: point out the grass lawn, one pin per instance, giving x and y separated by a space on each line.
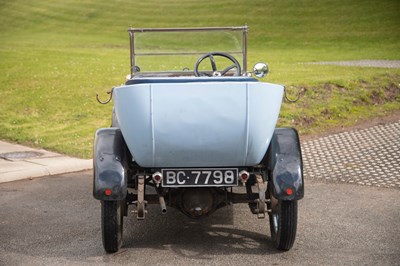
56 55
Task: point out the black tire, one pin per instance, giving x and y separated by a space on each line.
112 225
282 222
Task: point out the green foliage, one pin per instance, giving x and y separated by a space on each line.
56 55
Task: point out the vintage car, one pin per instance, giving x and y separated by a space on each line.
195 125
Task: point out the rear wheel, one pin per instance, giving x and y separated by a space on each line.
282 221
111 224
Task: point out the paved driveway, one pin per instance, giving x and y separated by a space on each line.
365 157
55 220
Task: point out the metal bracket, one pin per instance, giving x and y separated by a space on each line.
261 201
140 203
291 100
106 101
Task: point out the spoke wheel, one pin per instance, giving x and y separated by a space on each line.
112 224
282 221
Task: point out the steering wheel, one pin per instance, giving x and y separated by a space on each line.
215 71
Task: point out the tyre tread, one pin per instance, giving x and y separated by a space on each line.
288 224
111 227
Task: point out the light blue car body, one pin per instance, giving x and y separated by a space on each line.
182 123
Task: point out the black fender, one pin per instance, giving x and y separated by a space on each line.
109 164
285 165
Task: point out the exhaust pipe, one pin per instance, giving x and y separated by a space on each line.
162 205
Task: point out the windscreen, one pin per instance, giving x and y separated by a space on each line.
169 51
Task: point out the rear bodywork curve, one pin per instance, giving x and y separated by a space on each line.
198 124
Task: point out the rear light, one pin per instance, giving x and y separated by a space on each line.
289 191
107 192
244 176
157 178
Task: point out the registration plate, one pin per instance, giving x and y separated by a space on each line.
200 177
